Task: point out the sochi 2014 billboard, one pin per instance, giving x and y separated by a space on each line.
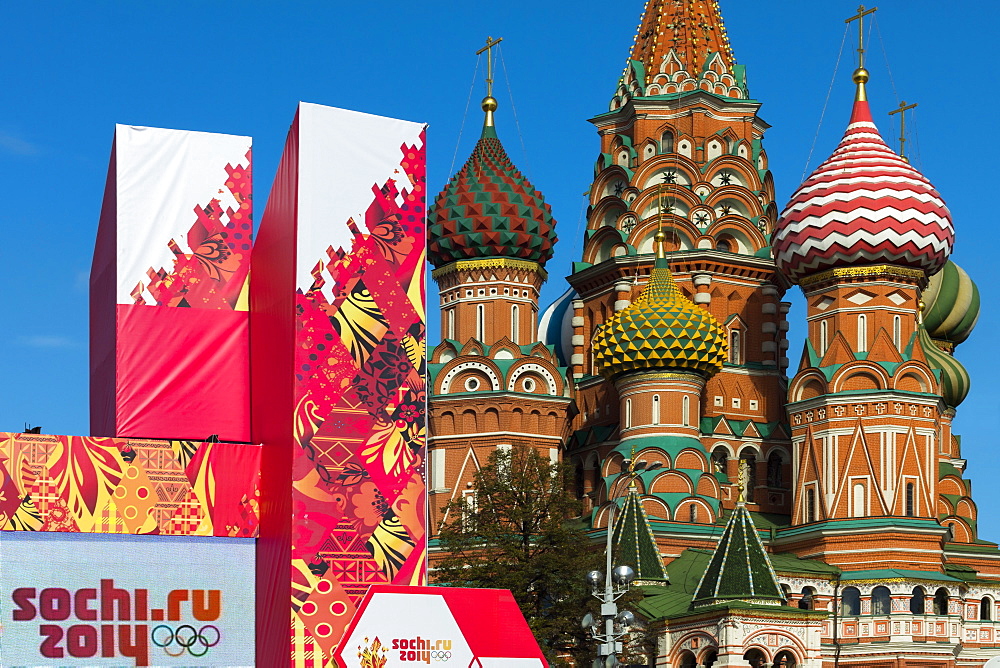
168 291
73 599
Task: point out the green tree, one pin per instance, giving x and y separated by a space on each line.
522 532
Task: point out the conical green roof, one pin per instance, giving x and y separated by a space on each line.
634 538
739 569
489 209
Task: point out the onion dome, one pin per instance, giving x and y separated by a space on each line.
555 327
489 209
951 305
955 381
864 205
660 330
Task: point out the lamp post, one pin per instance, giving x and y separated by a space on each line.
613 624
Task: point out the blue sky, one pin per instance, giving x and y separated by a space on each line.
69 71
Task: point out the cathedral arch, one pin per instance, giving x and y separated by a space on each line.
695 510
469 422
756 657
912 379
740 175
708 486
850 602
671 482
483 369
614 465
690 459
941 597
677 239
966 509
532 370
739 235
986 609
785 659
446 423
491 420
655 507
686 659
807 600
881 601
918 599
808 387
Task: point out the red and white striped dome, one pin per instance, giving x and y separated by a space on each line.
864 205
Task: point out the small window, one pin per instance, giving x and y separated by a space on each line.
774 464
881 601
693 510
628 413
917 600
811 505
823 333
735 348
910 500
515 322
480 322
858 495
941 601
807 601
986 609
686 411
897 331
862 333
719 458
656 409
451 323
850 602
472 384
724 245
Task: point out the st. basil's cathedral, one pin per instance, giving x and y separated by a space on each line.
781 509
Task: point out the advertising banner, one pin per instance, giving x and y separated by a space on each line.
338 291
169 321
405 627
89 599
120 485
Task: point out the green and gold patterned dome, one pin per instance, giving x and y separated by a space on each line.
951 305
660 330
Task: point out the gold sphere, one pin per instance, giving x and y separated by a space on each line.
860 75
489 103
660 237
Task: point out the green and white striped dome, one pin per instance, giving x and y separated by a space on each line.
951 305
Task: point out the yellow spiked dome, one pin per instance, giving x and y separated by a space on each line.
660 330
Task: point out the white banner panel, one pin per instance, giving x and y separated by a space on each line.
342 155
70 599
162 176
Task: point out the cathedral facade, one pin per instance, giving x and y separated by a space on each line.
807 510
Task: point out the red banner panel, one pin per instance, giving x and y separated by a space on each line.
169 320
337 335
81 484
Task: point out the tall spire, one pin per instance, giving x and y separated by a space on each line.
692 28
860 75
634 538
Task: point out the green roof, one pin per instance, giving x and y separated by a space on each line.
739 568
634 537
895 573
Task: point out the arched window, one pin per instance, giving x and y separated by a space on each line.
986 609
656 409
451 323
710 658
862 333
941 601
688 660
850 602
755 658
858 500
784 659
719 458
515 322
897 331
910 499
686 411
628 413
735 351
811 505
807 601
774 464
750 457
881 601
667 143
917 600
693 510
480 322
823 337
724 245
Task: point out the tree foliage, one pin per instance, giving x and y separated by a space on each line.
520 534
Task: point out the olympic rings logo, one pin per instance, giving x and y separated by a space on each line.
440 655
195 642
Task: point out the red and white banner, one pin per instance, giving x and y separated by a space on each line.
169 314
338 322
449 627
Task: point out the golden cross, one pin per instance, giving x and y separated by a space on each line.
490 43
903 108
860 18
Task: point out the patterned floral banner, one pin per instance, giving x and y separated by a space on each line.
118 485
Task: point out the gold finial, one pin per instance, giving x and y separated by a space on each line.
660 238
903 108
861 74
489 102
742 481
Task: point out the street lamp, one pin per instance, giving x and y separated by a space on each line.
608 587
